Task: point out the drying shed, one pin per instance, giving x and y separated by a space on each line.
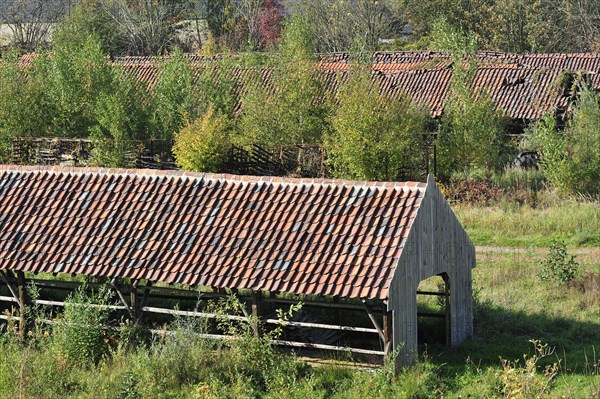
331 243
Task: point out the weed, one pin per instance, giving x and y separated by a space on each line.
523 381
80 335
558 264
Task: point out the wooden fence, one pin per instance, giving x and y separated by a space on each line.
359 327
299 160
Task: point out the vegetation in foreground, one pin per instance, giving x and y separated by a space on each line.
534 337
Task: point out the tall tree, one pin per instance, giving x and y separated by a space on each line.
292 109
335 24
30 21
374 137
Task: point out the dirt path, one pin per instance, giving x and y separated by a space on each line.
591 255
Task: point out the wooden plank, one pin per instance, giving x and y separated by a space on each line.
349 306
62 304
326 347
191 313
374 321
8 299
321 326
447 309
63 285
434 315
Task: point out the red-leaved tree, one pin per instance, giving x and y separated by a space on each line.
269 23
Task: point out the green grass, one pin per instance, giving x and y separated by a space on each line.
577 223
512 307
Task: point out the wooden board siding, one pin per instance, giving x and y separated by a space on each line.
436 244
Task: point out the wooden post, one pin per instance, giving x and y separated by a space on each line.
447 309
133 300
22 292
387 336
140 313
256 311
213 325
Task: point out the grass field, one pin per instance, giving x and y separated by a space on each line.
513 306
575 222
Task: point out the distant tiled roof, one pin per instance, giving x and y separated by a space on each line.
522 85
302 236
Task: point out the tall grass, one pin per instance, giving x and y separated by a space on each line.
512 307
505 224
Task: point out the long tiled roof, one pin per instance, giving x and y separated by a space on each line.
522 85
302 236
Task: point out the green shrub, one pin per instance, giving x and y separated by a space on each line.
26 108
374 137
79 335
471 133
174 97
293 110
558 264
570 158
202 145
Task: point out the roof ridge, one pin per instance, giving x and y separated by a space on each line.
411 185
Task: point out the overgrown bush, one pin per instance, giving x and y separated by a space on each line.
374 137
471 134
72 92
202 145
523 381
26 108
293 110
174 97
570 158
79 334
558 264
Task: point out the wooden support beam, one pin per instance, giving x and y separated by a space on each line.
13 290
191 313
133 300
256 311
387 336
330 305
140 312
122 298
307 345
433 315
22 292
433 293
374 321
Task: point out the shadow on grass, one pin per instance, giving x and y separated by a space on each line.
504 333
